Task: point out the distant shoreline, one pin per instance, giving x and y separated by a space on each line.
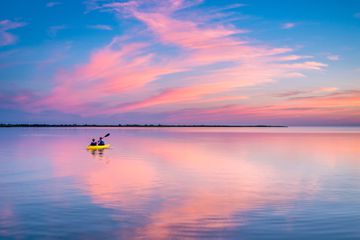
132 125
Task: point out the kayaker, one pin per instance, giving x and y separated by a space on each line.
93 142
101 142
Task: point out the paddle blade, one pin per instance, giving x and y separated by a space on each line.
107 135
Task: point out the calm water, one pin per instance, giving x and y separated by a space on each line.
294 183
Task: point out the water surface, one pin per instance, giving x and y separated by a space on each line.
180 183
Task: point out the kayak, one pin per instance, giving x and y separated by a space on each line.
98 147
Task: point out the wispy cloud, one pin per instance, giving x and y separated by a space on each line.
53 30
312 65
294 57
288 25
124 69
228 7
296 93
333 57
174 63
7 38
336 107
328 89
53 4
101 27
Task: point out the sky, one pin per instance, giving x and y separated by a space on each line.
292 63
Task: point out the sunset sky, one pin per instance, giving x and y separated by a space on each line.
180 62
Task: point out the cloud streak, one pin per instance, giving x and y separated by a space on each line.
7 38
288 25
53 4
333 57
100 27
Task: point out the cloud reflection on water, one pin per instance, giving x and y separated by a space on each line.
182 181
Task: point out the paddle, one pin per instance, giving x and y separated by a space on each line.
89 147
105 137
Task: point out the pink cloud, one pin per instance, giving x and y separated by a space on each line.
335 106
209 64
7 38
312 65
171 96
288 25
294 57
109 73
297 93
328 89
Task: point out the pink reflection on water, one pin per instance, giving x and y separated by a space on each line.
204 179
215 184
111 180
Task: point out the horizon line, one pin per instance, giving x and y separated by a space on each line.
135 125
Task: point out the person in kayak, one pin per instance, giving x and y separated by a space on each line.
101 142
93 142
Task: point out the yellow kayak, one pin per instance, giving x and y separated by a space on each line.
98 147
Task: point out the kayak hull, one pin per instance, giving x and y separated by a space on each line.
98 147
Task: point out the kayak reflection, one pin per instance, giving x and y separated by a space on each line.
99 155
